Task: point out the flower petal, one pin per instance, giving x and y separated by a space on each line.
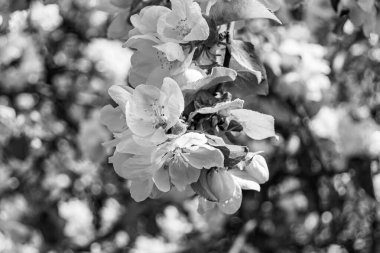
161 179
137 167
143 61
140 113
191 139
157 75
151 141
146 20
179 7
118 159
257 168
244 180
141 189
204 205
119 27
200 31
112 118
182 174
130 146
232 205
120 95
205 157
174 101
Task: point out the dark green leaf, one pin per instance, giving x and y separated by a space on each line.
244 59
233 154
218 75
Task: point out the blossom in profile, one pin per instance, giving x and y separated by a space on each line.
223 187
184 23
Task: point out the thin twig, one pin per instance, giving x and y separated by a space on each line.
239 242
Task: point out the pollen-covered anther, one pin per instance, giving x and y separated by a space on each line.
159 115
183 28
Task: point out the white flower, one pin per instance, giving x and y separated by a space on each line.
184 23
45 16
152 62
78 218
183 159
151 111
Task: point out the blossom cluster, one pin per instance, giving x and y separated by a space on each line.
171 125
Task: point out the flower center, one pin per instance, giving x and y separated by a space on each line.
183 28
178 157
159 115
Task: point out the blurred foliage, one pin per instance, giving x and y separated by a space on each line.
59 194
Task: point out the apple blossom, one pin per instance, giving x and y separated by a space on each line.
183 160
174 60
152 62
152 111
184 23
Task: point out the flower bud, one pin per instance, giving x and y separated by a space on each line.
257 167
221 184
201 187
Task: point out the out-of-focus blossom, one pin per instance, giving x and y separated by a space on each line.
173 224
111 58
110 213
210 223
357 137
91 136
325 123
79 226
362 14
145 244
18 46
352 137
309 77
18 21
45 16
374 143
7 122
376 185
